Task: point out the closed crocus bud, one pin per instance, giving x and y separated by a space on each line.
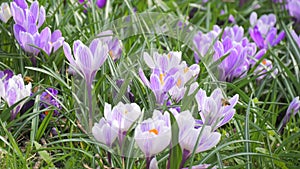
293 108
5 12
154 134
101 3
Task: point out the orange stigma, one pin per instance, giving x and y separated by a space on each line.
264 62
154 131
186 70
161 78
178 82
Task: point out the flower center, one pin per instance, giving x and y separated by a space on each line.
178 82
154 131
264 62
169 56
186 70
161 78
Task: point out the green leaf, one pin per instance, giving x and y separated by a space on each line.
175 152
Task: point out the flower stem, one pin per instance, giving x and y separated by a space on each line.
89 90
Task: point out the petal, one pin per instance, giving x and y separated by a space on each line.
42 16
149 60
253 18
100 55
68 54
21 3
34 10
17 30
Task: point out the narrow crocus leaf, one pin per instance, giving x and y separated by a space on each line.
175 152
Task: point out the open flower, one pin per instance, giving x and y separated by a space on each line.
5 12
154 134
263 69
49 98
13 91
122 117
215 110
263 31
87 60
160 83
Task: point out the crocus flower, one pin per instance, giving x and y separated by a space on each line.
293 108
5 12
49 98
154 134
263 31
27 23
188 136
160 83
271 38
203 42
104 132
263 68
215 110
236 63
113 43
293 6
264 23
153 164
122 118
202 166
99 3
296 37
29 19
166 63
88 61
14 90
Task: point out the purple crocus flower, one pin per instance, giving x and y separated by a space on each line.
236 63
13 90
88 61
5 12
293 6
271 38
49 98
215 111
293 108
113 43
27 23
99 3
203 42
160 83
264 32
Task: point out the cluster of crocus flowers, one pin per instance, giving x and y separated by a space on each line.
13 91
50 98
263 31
116 123
27 22
169 75
5 12
232 45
